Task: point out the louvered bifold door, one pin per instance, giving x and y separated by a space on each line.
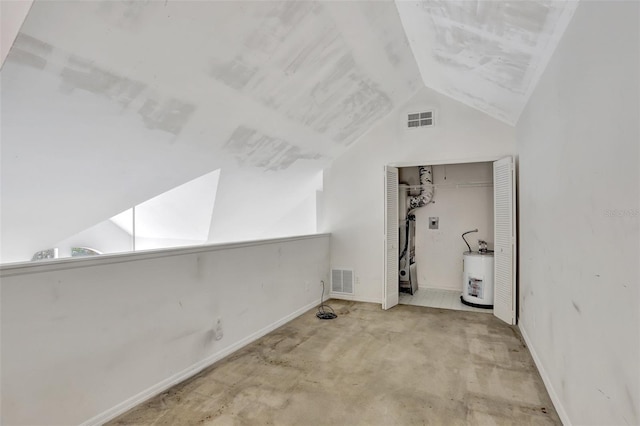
391 239
504 201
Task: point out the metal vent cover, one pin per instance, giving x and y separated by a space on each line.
420 119
342 281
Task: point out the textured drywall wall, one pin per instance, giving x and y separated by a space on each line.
354 190
577 142
86 342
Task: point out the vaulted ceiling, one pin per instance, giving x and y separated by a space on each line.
486 54
107 104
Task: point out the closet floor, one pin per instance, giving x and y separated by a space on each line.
438 298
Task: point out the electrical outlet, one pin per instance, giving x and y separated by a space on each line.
218 331
433 222
307 285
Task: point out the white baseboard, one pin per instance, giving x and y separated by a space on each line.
125 406
342 296
562 413
426 287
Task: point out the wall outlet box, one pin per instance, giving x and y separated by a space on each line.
433 222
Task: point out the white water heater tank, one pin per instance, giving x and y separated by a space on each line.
477 279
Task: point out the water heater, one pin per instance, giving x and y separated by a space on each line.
477 279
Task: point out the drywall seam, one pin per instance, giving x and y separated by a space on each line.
188 372
25 268
564 417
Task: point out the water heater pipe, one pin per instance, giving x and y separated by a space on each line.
465 240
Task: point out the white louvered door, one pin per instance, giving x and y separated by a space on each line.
504 210
391 290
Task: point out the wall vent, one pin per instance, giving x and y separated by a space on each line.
342 281
420 119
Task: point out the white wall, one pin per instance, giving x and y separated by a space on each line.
459 209
106 237
301 220
353 188
85 339
252 204
159 243
579 234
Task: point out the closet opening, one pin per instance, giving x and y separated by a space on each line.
454 237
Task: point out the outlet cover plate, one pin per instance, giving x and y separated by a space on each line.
433 222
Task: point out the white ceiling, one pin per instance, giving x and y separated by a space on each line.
12 14
108 104
486 54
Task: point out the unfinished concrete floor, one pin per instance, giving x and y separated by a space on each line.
408 365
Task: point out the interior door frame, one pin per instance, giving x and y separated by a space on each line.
441 162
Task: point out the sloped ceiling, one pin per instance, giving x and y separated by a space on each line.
108 104
486 54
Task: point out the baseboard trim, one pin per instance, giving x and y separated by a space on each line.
426 287
125 406
342 296
564 417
